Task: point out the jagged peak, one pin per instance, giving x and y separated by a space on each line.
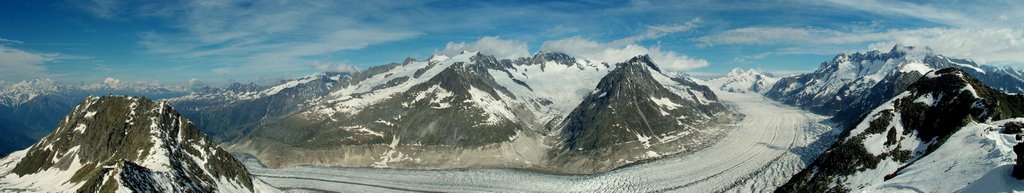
545 56
946 72
408 60
644 60
905 49
551 55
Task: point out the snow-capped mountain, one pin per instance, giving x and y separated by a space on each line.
466 110
749 81
665 115
30 109
228 112
851 84
940 135
24 91
120 144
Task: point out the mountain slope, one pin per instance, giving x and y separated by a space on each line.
634 108
740 81
124 144
905 130
851 84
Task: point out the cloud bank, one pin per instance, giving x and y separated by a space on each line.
490 45
608 52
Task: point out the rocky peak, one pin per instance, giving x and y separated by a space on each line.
408 60
239 87
639 61
113 142
557 57
489 61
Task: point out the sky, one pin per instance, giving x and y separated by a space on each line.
182 41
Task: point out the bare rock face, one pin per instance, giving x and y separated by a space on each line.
116 143
1018 169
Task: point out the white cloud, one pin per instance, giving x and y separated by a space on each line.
9 41
623 49
489 45
105 9
909 9
592 50
338 67
19 64
792 36
748 59
265 36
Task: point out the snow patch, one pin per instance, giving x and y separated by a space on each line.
665 102
80 128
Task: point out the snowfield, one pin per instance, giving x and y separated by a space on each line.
977 158
772 143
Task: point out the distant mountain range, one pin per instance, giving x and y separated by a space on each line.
851 84
31 109
233 111
473 110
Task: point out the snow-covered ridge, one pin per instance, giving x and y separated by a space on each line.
545 76
158 150
25 91
251 91
749 81
851 84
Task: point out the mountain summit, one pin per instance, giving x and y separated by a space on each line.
118 143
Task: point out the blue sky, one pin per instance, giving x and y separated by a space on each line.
173 42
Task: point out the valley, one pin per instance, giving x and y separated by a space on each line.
770 144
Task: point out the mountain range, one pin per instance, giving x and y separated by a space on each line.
31 109
904 115
473 110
